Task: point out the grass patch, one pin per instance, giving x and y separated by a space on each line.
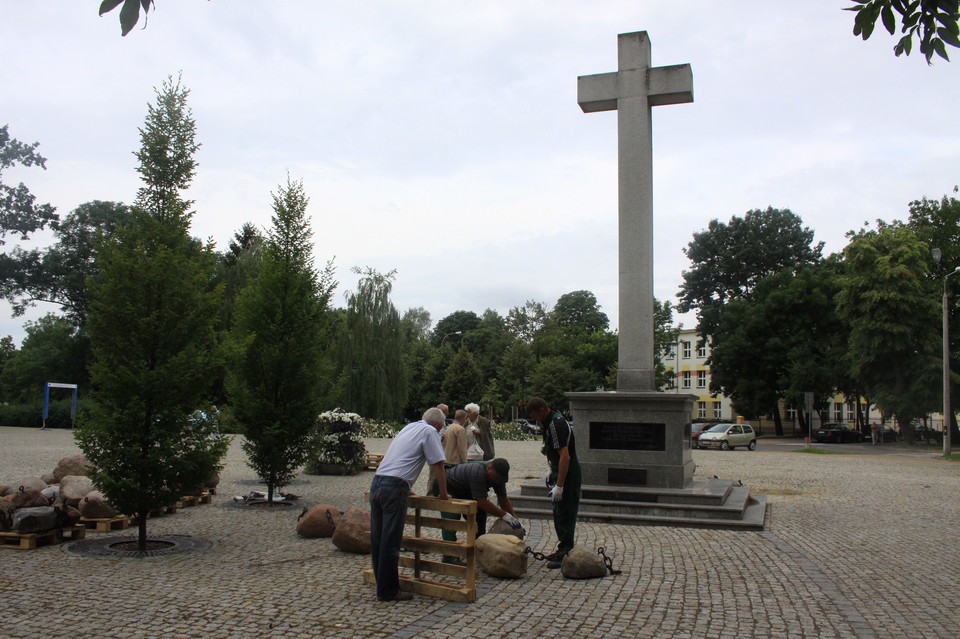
953 457
818 451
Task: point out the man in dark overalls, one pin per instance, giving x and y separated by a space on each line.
564 479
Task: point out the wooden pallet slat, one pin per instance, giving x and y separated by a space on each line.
106 524
29 541
373 461
465 591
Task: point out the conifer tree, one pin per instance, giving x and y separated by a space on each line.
278 342
151 325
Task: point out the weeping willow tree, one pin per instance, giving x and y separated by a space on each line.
372 368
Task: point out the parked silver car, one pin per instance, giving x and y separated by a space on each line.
728 437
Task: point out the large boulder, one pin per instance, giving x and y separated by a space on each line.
29 498
48 478
95 506
500 527
33 520
353 532
6 513
70 515
72 465
318 521
73 488
581 564
212 482
27 482
502 555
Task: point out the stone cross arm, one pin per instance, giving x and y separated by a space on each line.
660 85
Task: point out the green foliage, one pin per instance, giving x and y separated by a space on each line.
664 338
151 325
511 432
58 274
19 212
891 307
551 379
30 415
933 22
452 328
818 451
277 342
463 382
372 348
52 351
129 12
728 260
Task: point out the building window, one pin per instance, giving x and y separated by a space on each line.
685 349
686 379
702 351
718 410
701 409
701 379
837 412
791 413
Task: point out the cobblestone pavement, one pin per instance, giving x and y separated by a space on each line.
856 546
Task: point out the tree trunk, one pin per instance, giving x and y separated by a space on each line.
777 421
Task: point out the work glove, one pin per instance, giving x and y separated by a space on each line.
556 493
513 521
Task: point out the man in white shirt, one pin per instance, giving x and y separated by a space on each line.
416 444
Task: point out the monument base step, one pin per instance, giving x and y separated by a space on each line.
712 503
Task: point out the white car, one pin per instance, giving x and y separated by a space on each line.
728 437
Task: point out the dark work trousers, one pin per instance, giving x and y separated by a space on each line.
451 535
565 511
388 513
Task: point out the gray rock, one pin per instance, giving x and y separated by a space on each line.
502 555
27 482
500 527
73 488
581 564
72 465
32 520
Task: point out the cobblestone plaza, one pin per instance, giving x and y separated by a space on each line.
858 545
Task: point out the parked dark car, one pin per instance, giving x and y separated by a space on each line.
889 435
529 427
838 434
696 430
924 433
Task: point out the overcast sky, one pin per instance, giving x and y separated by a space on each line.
443 139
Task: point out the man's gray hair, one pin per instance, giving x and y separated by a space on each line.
472 408
434 417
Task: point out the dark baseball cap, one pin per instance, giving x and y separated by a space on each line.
502 466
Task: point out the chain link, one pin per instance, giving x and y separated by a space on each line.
539 556
608 562
329 518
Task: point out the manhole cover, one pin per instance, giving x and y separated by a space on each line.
120 546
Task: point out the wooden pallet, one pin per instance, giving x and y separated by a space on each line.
188 501
29 541
106 524
452 589
373 461
166 510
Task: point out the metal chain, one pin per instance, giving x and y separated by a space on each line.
329 518
539 556
608 562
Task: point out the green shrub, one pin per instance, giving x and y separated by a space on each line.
31 416
337 439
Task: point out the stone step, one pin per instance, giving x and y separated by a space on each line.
738 509
711 492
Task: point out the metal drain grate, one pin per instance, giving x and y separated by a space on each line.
103 547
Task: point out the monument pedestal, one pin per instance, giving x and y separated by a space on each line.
635 439
637 467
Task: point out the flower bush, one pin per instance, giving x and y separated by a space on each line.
337 440
511 432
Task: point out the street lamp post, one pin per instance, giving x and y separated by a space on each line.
946 364
448 335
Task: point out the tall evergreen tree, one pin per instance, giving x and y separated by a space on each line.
151 324
278 340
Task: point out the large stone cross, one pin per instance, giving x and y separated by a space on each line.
631 91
